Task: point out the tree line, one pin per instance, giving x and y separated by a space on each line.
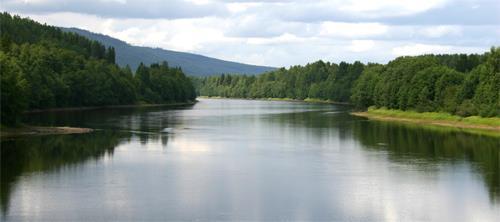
426 84
316 80
43 67
459 83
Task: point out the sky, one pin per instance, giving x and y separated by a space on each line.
282 33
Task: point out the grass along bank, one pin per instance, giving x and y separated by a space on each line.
432 118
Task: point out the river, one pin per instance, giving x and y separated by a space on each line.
247 160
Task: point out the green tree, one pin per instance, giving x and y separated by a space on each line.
14 90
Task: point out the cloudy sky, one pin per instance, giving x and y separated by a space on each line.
282 32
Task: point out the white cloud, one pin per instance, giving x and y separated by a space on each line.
239 7
286 38
440 31
281 32
355 30
181 34
420 49
361 45
380 8
172 9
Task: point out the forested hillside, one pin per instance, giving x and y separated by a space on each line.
44 67
458 84
191 64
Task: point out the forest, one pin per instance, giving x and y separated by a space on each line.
43 67
459 84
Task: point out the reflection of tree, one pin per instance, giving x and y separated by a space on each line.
147 123
406 143
314 120
119 118
46 153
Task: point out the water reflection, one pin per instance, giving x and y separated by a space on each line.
50 153
143 119
29 155
424 147
419 146
248 160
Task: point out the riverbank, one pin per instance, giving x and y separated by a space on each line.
307 100
140 105
26 130
6 132
433 118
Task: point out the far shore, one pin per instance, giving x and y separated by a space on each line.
476 123
109 107
307 100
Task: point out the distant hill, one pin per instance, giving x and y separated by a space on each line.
191 64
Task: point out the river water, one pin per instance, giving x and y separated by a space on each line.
247 160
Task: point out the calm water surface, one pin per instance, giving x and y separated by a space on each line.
247 160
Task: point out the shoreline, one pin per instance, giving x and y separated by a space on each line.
41 131
428 121
63 109
306 100
27 130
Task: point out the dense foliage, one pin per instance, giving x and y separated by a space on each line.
159 83
458 84
425 84
317 80
43 67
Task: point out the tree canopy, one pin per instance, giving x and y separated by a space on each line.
459 84
42 67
